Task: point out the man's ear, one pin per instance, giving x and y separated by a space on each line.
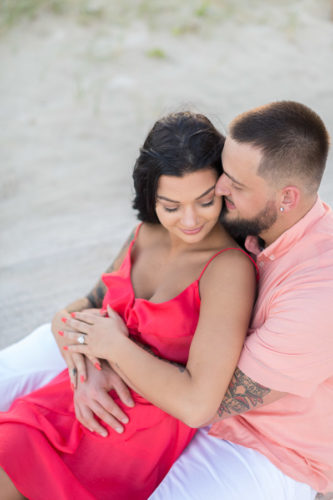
290 198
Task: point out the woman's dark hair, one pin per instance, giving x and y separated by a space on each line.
177 144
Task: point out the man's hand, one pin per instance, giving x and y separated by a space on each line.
91 398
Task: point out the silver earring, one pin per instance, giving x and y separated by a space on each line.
281 209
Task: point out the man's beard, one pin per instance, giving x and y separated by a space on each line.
241 228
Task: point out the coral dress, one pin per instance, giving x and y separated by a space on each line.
48 454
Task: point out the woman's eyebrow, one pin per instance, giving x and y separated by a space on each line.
206 192
175 201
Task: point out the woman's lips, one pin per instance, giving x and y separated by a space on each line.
192 231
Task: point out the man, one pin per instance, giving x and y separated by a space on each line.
279 402
273 433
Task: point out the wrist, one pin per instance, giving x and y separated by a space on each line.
118 347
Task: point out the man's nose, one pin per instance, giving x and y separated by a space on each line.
222 186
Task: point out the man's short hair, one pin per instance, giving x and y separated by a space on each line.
292 138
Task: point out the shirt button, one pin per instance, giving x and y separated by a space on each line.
272 257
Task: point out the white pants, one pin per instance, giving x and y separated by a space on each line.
28 364
214 469
209 468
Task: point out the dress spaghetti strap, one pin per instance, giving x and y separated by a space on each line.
212 258
224 250
137 231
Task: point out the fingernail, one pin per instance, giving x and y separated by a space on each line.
64 320
61 333
98 366
125 420
73 315
65 348
103 434
119 429
82 378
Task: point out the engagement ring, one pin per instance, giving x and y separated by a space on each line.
81 339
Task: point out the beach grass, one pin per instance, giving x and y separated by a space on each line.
179 17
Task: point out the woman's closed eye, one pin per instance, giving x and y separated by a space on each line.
208 203
169 209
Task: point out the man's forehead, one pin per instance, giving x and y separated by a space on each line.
240 160
240 148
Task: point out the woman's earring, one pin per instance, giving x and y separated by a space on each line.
281 209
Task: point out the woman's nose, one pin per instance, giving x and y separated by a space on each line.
189 218
222 186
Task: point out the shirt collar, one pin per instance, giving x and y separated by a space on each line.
287 239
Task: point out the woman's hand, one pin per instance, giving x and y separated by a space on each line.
92 335
76 362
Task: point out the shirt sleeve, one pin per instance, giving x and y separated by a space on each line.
292 351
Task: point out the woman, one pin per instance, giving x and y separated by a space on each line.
181 293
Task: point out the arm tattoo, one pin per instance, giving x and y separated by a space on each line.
243 394
96 295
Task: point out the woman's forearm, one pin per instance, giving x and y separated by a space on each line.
193 395
170 387
148 349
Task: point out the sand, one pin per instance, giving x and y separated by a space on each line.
78 94
80 89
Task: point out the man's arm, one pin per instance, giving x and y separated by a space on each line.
91 396
96 295
93 300
284 356
76 364
243 395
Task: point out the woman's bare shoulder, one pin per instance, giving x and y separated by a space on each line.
149 231
149 234
230 264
